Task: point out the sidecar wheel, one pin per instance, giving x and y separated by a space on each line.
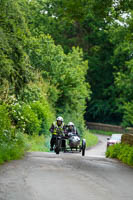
83 147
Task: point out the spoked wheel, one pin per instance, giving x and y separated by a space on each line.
83 147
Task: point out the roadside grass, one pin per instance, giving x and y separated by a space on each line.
37 143
41 143
10 152
101 132
91 139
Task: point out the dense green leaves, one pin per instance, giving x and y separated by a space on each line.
14 60
123 152
104 30
65 74
56 56
38 79
5 123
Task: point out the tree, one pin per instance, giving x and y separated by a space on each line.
14 65
97 27
65 74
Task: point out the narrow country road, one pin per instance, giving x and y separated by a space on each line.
100 149
46 176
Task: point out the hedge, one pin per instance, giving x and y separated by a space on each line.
123 152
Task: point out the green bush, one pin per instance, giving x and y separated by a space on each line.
44 114
32 112
13 149
130 157
5 123
12 143
30 121
25 118
113 152
6 130
122 152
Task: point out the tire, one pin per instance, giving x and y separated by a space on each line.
83 147
57 146
57 151
83 152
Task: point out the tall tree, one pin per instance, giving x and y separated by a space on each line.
88 24
14 60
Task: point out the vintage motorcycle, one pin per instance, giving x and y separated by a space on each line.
70 143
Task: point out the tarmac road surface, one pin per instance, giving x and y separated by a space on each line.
100 149
47 176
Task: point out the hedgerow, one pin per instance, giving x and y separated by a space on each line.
123 152
12 142
38 81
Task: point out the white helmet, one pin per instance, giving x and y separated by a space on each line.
70 124
60 119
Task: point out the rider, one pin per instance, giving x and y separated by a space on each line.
71 128
57 127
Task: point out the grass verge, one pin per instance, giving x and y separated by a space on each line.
101 132
37 143
91 139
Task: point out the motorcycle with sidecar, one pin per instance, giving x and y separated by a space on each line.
69 143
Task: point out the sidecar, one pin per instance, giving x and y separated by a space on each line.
74 144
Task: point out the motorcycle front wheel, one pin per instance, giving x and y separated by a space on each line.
57 146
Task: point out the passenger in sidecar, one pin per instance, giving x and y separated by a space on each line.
72 135
71 128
